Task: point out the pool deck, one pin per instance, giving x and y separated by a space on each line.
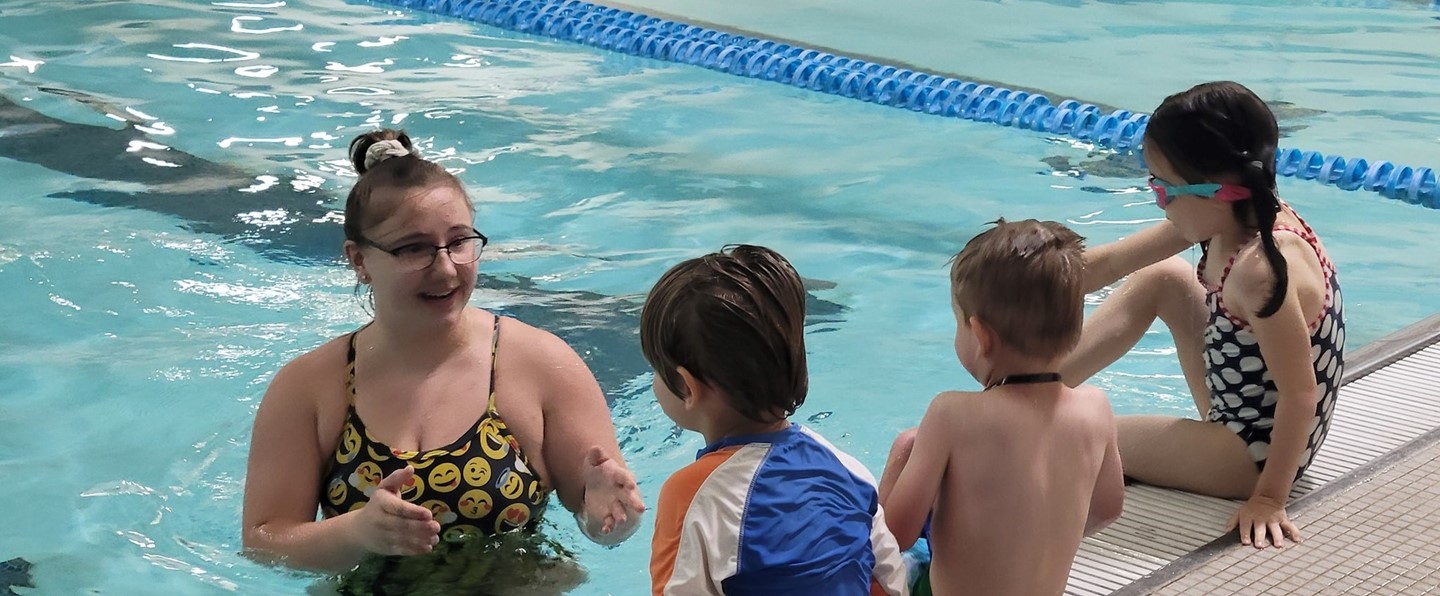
1368 509
1379 536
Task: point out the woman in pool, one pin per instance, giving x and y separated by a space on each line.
1258 324
395 431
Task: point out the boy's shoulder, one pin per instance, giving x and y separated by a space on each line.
1091 399
977 406
752 468
948 403
724 470
689 479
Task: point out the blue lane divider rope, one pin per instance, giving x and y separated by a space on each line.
651 37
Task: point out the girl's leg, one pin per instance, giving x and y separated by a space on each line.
895 462
1194 456
1166 290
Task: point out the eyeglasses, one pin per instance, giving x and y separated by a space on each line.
420 255
1225 193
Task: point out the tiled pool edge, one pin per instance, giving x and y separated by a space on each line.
1365 361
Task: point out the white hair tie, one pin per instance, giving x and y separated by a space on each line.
383 150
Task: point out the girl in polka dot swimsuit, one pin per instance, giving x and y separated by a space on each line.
1258 323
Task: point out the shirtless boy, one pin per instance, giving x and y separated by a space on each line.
1017 474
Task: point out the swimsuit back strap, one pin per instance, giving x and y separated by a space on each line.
1308 235
1230 263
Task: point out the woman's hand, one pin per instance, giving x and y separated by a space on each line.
1263 517
612 507
389 525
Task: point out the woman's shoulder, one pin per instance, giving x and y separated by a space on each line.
324 361
541 355
531 343
332 353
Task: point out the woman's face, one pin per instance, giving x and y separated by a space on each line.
437 293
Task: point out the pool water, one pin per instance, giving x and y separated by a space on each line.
175 239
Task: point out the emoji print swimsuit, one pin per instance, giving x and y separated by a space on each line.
479 485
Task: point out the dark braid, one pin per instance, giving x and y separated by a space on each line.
1263 208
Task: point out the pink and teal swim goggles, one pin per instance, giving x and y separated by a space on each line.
1225 193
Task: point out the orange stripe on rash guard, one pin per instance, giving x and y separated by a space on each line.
674 503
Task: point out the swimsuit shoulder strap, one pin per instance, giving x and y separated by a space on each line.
494 358
350 369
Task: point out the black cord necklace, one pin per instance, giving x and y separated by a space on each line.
1049 377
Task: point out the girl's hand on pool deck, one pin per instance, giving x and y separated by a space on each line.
612 499
389 525
1263 517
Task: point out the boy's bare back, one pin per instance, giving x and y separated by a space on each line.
1024 472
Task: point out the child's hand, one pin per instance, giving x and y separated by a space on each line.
1262 516
612 500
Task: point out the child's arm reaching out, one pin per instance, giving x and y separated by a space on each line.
1107 263
908 502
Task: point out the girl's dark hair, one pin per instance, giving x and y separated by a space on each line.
400 173
1222 130
735 319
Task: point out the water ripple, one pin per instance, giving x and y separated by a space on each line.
465 61
118 487
262 182
174 564
305 182
241 294
8 254
136 538
236 26
57 299
356 90
382 42
159 162
368 67
267 218
258 71
249 4
237 55
287 141
28 65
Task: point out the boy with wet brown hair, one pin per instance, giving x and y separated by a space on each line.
1017 474
768 506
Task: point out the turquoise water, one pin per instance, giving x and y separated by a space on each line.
140 328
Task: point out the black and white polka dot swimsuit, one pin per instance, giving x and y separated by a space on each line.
1242 394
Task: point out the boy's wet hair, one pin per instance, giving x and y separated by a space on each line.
399 174
1222 129
735 320
1025 280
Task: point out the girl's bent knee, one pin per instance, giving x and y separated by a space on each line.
1171 270
904 443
